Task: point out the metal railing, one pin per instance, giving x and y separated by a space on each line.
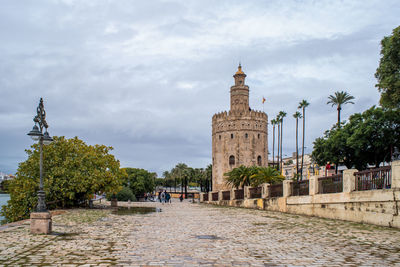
255 192
380 178
276 190
300 188
331 184
205 197
239 194
226 195
214 196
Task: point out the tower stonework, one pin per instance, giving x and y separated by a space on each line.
239 136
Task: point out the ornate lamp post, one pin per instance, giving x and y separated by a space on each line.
41 221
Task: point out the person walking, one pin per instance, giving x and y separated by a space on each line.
163 197
181 198
168 197
159 195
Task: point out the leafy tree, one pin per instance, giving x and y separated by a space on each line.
367 139
297 116
388 72
140 181
340 99
376 133
125 194
302 105
73 172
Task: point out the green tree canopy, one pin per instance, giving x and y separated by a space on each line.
388 72
367 139
140 181
73 172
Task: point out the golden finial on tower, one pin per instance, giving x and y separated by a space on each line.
239 69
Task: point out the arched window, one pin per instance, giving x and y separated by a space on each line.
219 137
231 136
259 163
246 135
231 160
258 136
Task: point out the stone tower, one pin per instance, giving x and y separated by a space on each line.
239 136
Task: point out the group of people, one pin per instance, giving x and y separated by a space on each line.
165 197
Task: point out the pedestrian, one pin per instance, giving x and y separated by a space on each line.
168 197
159 195
181 198
162 197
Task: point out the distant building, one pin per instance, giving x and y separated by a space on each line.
239 136
310 168
4 177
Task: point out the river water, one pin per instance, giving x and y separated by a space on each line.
3 201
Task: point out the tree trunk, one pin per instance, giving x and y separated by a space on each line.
338 116
279 138
297 149
302 147
273 146
185 187
281 166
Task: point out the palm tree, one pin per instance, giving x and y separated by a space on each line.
339 99
238 177
302 105
266 175
278 122
273 123
282 115
297 116
208 174
167 176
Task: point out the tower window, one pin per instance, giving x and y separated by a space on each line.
258 136
231 160
259 161
219 137
246 135
231 136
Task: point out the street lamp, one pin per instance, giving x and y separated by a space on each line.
44 138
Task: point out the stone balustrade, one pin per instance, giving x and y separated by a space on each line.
338 197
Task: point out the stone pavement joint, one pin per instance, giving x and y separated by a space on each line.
186 234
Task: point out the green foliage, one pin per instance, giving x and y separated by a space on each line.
339 99
254 176
4 186
140 181
266 175
182 174
73 172
125 194
367 138
388 72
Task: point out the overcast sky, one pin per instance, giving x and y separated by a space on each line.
145 77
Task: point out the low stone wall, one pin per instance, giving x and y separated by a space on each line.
379 207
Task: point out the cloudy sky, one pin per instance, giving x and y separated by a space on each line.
146 76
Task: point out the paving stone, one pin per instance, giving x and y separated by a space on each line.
237 237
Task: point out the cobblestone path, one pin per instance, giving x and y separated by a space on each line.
186 234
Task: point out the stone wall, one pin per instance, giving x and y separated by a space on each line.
379 207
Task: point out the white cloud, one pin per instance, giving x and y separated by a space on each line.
147 77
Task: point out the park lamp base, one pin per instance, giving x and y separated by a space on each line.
41 223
